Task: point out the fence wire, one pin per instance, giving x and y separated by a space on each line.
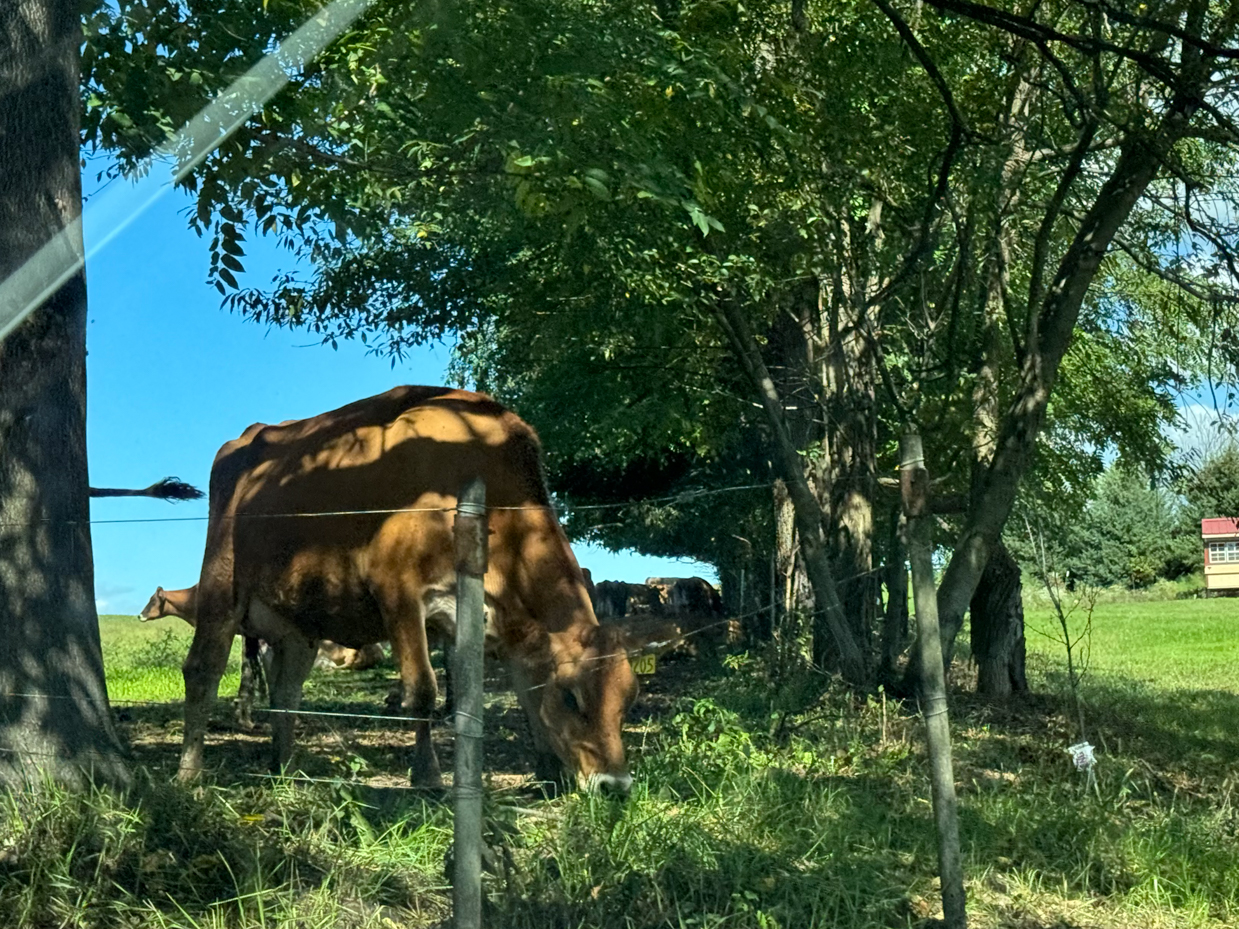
682 497
681 636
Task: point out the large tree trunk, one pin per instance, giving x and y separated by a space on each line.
1051 325
54 713
848 405
853 449
997 614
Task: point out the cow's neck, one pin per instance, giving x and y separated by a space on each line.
549 582
179 603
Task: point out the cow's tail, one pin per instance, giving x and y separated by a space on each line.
169 489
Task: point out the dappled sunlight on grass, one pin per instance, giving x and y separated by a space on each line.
757 805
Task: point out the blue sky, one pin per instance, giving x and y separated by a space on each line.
172 376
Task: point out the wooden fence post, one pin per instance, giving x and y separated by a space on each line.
470 539
914 483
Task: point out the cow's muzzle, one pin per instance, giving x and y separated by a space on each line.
615 785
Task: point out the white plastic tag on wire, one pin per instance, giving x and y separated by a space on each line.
1084 758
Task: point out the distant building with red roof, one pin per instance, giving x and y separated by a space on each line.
1221 538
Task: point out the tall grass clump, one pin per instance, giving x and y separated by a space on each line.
727 826
168 856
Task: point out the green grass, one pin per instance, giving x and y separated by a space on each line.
1173 644
143 660
745 815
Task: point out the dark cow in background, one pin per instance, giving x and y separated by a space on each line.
686 596
616 599
684 614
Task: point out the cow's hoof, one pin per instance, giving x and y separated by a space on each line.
426 774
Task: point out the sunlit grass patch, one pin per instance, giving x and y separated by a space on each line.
142 661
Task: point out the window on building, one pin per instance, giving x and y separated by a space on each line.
1223 552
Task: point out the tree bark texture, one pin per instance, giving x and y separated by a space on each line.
997 616
853 451
781 598
54 712
808 512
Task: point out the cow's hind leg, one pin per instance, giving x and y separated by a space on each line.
203 667
292 658
252 677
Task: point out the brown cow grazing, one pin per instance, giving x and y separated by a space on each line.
371 574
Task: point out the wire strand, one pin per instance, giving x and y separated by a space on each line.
683 497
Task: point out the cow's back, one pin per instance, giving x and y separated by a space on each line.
308 513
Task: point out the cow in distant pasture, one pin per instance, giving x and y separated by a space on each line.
615 599
689 605
698 610
256 658
686 596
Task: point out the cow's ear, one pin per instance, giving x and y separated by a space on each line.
158 591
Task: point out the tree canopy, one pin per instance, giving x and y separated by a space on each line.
707 244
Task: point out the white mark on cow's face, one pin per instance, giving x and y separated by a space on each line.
616 784
154 608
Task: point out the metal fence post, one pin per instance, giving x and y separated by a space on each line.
470 541
914 482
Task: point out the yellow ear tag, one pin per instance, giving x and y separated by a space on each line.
645 664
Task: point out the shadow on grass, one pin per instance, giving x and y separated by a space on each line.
796 851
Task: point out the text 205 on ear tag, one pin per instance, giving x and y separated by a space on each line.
645 664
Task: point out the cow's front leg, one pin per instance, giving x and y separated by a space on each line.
292 658
203 667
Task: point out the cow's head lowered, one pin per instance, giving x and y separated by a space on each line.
584 687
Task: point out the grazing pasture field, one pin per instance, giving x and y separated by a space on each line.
758 805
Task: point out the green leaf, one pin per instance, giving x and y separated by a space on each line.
597 187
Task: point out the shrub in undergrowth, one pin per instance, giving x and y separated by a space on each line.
704 747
